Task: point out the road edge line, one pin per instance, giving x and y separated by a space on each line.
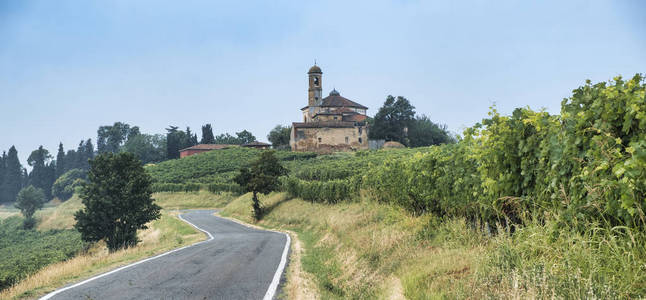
56 292
273 286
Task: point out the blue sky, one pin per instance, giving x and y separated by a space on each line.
67 67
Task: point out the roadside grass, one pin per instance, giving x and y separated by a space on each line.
368 250
191 200
164 234
361 250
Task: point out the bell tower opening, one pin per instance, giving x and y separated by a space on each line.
315 86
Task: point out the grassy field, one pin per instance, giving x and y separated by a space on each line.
162 235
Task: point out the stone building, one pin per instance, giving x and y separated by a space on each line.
333 123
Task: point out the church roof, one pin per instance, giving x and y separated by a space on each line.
336 100
324 124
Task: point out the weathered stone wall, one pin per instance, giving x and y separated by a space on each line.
326 140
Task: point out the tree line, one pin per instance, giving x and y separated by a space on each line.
58 176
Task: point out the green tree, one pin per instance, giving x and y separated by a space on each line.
117 201
13 179
423 132
43 174
261 177
28 201
245 137
110 138
207 135
279 137
60 161
147 147
65 186
393 120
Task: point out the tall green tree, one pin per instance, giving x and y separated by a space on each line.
13 179
423 132
279 137
110 138
60 161
393 120
117 201
207 135
191 138
43 173
28 201
3 172
174 142
261 177
148 148
245 137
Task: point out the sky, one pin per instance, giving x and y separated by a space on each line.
68 67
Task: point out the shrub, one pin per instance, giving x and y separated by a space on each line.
65 186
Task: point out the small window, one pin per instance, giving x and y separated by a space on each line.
335 118
360 141
360 130
319 140
347 140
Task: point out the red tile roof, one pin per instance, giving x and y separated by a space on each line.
208 147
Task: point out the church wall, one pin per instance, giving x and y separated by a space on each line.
331 139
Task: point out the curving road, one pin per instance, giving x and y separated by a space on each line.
236 262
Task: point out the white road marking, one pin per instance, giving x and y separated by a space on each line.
271 291
279 272
54 293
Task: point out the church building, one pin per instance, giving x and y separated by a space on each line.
330 124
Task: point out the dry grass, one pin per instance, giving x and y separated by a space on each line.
60 217
191 200
363 250
164 234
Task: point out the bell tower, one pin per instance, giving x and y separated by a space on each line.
315 86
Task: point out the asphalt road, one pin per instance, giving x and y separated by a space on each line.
237 263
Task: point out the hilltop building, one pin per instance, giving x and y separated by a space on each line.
201 148
333 123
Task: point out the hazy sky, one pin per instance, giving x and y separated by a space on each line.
67 67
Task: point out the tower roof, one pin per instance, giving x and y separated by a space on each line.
314 69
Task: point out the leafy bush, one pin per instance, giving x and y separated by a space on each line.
65 186
24 252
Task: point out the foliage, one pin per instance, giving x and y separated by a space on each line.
261 177
279 137
117 201
241 137
66 184
12 179
24 252
177 140
148 148
28 201
111 138
207 135
43 173
423 132
392 120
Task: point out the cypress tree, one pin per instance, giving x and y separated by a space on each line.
3 171
13 176
60 161
207 135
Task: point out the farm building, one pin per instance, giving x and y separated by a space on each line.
197 149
